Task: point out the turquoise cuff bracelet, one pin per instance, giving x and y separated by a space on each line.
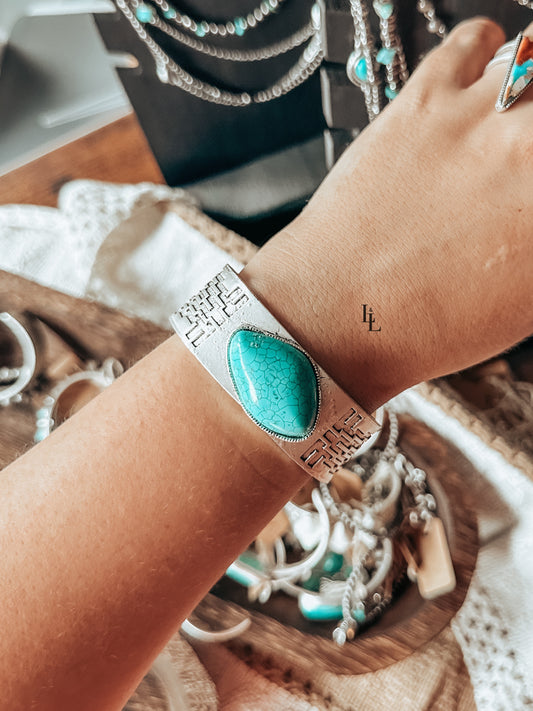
270 375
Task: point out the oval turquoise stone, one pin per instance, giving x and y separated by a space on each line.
361 70
275 383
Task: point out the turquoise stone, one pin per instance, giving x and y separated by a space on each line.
312 583
333 562
390 93
520 70
361 71
240 26
250 560
241 576
170 14
144 13
384 9
359 615
385 55
312 608
199 31
275 383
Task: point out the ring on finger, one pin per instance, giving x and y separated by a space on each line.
518 55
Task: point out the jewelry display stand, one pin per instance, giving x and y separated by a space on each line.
194 139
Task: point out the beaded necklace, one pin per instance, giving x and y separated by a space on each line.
170 72
363 63
235 26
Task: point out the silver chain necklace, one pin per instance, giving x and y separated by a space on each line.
170 72
236 26
236 55
362 64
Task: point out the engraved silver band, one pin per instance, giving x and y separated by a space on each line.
206 322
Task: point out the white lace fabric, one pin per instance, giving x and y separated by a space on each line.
122 245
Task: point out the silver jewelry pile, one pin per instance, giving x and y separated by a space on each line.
346 571
22 383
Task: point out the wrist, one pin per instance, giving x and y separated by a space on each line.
320 302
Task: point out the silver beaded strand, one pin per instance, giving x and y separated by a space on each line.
235 27
434 24
170 72
360 66
391 54
236 55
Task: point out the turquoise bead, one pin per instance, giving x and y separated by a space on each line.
312 583
199 31
384 9
242 577
359 615
240 26
312 608
250 560
385 55
170 14
275 383
390 93
333 562
144 13
361 70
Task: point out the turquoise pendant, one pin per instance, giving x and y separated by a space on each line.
276 383
385 55
383 9
144 13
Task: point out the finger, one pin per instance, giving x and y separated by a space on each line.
464 54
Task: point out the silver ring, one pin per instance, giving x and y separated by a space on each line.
24 373
519 74
47 414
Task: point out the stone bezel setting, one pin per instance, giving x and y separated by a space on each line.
296 346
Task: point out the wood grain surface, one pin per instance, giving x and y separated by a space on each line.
63 326
117 153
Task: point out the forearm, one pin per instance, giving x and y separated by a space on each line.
115 526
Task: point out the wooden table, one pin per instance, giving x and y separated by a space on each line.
117 153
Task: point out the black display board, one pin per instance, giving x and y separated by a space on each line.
192 139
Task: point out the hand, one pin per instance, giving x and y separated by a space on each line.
426 218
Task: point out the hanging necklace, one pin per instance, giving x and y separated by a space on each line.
235 55
362 67
170 72
236 26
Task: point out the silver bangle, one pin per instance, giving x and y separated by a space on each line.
270 375
25 372
47 415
